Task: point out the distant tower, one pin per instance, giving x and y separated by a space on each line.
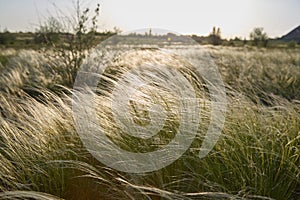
150 32
169 40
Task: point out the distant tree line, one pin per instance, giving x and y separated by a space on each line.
7 38
259 37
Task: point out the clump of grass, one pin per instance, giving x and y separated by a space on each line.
27 195
26 69
41 151
32 134
257 156
260 73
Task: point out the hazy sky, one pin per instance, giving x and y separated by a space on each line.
234 17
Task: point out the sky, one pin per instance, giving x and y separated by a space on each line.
234 17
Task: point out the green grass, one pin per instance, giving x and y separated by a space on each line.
257 156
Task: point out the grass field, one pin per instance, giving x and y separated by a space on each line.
256 157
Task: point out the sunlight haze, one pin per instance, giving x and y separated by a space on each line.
235 18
